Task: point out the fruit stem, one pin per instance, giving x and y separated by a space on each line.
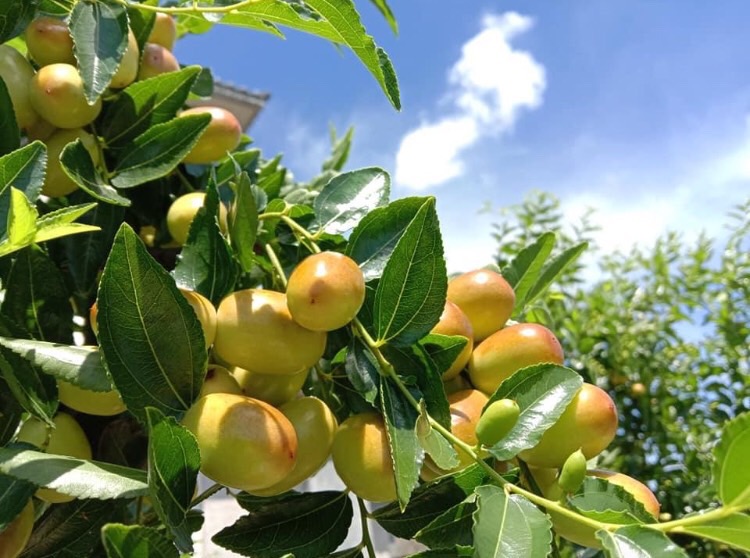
276 264
366 541
206 494
677 525
302 232
194 9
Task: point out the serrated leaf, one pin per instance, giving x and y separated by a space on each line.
158 150
732 530
14 17
362 370
307 525
731 455
72 476
76 162
509 525
149 335
428 502
100 37
135 541
406 452
375 237
21 225
81 366
636 541
411 295
10 137
554 268
24 170
434 444
173 463
205 263
609 503
141 24
543 392
14 495
145 104
348 197
339 151
524 270
56 224
243 221
443 349
10 413
452 528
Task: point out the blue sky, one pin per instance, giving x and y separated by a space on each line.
640 109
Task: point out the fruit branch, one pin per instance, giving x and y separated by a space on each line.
366 540
194 9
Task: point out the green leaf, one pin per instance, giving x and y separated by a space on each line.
348 553
451 528
387 13
76 161
428 502
542 392
21 226
522 273
100 37
24 170
339 152
437 447
373 240
72 476
149 335
243 221
205 263
59 223
173 463
135 541
732 530
731 455
509 525
443 349
56 7
71 530
10 412
37 297
81 366
406 452
158 150
146 103
609 503
411 295
141 23
348 197
10 137
14 17
456 552
362 370
307 525
636 541
554 268
14 495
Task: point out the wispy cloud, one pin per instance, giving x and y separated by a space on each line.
489 87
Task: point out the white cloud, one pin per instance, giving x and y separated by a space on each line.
489 86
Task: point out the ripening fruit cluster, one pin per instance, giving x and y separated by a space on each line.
49 102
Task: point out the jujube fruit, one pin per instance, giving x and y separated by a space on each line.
589 422
99 403
49 41
244 443
219 380
128 69
275 389
56 93
17 74
315 426
454 322
485 297
223 135
156 60
506 351
164 31
205 312
573 472
325 291
182 211
255 331
497 420
15 537
56 182
636 488
362 457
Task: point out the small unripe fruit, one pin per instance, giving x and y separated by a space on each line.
156 60
181 213
219 380
223 135
256 332
454 322
56 182
56 93
497 420
573 472
128 70
315 426
67 438
589 423
17 74
244 443
325 291
164 31
205 312
49 41
99 403
485 297
15 537
362 457
638 390
274 389
506 351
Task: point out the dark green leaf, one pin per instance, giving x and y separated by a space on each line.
732 530
635 541
10 413
173 463
134 541
205 263
523 272
14 495
456 552
243 221
348 197
76 161
443 349
362 370
451 528
406 451
76 477
554 268
149 335
14 17
23 169
339 152
100 37
56 7
147 103
542 392
158 150
204 84
411 294
141 24
509 525
37 298
731 455
10 138
349 553
307 525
